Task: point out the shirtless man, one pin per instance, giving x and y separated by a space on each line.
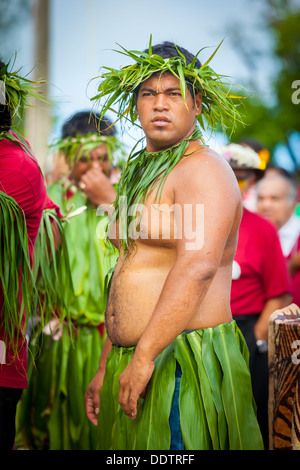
166 286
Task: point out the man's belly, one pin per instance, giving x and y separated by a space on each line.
132 300
135 291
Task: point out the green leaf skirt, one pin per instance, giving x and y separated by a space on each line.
51 414
216 405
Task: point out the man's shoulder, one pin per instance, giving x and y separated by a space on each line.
199 155
198 149
201 163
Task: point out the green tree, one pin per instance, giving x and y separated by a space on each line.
275 120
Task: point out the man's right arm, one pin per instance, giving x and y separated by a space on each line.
92 395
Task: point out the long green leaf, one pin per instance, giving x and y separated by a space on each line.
215 376
15 271
193 420
158 397
206 391
107 412
236 392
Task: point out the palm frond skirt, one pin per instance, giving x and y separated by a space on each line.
216 405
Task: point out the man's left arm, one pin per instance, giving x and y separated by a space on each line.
214 189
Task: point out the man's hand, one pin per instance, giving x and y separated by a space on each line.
92 395
97 186
133 382
92 398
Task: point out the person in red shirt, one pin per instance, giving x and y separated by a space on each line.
276 201
260 279
21 179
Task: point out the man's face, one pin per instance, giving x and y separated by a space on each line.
164 116
98 157
273 200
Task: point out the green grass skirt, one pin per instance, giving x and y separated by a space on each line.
51 414
216 405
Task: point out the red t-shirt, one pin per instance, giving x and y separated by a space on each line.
260 269
20 178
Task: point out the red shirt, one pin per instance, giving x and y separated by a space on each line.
20 178
261 271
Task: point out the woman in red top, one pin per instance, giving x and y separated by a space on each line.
20 178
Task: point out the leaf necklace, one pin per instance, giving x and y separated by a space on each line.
143 172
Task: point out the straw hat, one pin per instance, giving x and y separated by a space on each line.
242 158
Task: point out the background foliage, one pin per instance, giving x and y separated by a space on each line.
272 116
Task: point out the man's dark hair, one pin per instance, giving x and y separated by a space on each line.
168 50
5 117
85 122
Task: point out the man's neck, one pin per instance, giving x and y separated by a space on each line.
152 147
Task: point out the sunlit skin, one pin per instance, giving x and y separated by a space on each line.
163 288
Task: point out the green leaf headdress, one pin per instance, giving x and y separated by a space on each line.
219 103
75 147
15 94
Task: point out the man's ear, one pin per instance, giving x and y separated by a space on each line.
198 103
